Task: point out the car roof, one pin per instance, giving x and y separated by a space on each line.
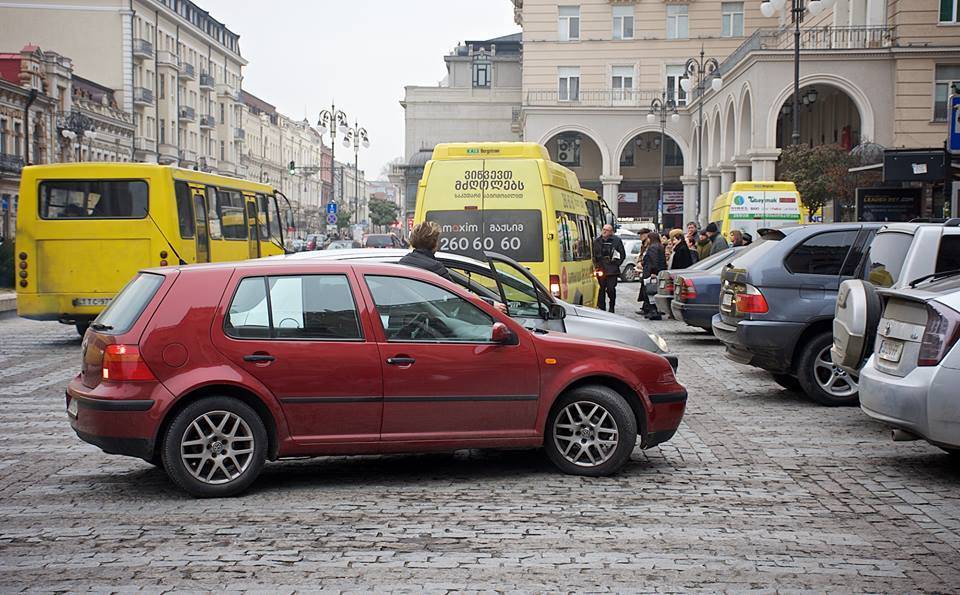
380 254
272 266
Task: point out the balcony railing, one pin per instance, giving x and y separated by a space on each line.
226 90
10 163
142 96
593 98
239 134
188 72
145 145
206 81
858 37
165 58
188 156
187 113
207 121
142 48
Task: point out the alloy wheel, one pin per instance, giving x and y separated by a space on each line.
833 379
217 447
585 434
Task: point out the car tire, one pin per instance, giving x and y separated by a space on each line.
788 382
199 452
629 274
598 422
820 379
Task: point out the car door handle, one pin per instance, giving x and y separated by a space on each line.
258 357
400 361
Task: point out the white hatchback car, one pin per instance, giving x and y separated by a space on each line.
911 380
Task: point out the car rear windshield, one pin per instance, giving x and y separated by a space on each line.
130 303
379 242
885 257
93 199
755 252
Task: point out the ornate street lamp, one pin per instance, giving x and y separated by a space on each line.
356 137
75 127
661 107
699 69
797 10
333 121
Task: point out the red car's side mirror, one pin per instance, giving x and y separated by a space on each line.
502 334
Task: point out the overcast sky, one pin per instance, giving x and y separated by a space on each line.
305 53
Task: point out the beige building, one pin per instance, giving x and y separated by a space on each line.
173 66
872 70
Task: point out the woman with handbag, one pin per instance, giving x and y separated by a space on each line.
654 261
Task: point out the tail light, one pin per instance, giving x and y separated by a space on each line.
669 287
751 301
123 363
688 290
940 334
555 285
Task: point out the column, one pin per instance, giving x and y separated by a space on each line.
704 200
764 163
727 175
689 198
744 169
714 187
611 187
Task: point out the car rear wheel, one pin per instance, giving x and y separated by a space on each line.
788 382
822 380
215 447
629 274
591 431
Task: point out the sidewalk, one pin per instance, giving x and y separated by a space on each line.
8 300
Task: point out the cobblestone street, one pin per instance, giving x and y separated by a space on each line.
760 489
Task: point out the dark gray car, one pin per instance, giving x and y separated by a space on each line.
777 305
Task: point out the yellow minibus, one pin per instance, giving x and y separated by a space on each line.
750 206
510 198
84 229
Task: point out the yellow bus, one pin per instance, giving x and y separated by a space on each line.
84 229
750 206
510 198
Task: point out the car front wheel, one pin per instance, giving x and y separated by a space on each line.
823 381
215 447
591 431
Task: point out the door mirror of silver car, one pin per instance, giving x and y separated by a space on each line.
556 312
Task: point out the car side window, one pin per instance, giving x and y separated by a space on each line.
307 307
948 258
412 310
822 254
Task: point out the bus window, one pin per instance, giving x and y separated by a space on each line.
230 208
263 217
574 239
213 215
93 199
184 210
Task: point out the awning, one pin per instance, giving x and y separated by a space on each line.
854 170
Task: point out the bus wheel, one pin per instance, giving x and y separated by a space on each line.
82 328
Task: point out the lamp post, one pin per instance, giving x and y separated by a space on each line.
333 121
357 137
797 10
76 127
700 68
661 107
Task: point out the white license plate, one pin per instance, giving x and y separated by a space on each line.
72 408
727 299
663 283
890 350
92 301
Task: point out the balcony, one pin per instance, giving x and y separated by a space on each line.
225 90
142 49
144 149
188 157
635 98
188 72
11 164
239 134
207 163
206 82
168 59
207 122
187 114
167 153
142 96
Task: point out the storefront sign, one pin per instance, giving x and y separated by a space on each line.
888 204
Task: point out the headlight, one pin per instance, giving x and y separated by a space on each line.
659 341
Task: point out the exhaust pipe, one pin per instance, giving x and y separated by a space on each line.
899 435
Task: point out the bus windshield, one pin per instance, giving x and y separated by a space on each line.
93 199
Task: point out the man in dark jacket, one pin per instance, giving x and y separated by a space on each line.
717 242
608 254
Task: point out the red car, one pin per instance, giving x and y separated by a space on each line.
210 370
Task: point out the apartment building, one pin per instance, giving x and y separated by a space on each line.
871 70
174 67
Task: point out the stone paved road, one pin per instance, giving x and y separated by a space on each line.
760 489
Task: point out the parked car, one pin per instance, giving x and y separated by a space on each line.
342 245
696 297
211 371
911 379
314 241
298 245
665 279
381 240
777 305
899 256
628 268
528 301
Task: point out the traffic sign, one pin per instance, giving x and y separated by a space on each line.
4 204
331 208
953 142
332 218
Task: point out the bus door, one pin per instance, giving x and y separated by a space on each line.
253 226
202 229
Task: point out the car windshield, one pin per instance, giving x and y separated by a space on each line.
885 257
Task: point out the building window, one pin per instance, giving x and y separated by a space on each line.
223 120
672 155
627 157
569 23
622 83
950 11
623 22
16 139
481 73
674 90
163 86
3 135
163 131
946 75
731 17
677 24
223 151
568 150
569 83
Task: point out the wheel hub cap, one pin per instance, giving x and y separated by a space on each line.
586 434
217 447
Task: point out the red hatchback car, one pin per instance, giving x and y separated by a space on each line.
210 370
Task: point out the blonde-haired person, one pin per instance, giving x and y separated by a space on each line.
681 257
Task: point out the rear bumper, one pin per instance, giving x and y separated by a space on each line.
663 304
763 344
699 315
59 306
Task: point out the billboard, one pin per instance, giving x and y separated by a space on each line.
888 204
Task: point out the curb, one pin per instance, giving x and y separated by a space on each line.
8 302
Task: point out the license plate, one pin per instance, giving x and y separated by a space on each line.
663 283
72 408
727 300
92 301
890 350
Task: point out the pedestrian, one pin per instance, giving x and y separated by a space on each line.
717 242
736 238
608 254
682 256
654 261
703 245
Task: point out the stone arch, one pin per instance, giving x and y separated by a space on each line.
859 98
730 131
672 132
607 164
745 140
716 136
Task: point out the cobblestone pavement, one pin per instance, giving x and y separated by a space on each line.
760 489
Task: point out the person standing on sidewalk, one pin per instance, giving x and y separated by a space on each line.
654 261
717 242
608 253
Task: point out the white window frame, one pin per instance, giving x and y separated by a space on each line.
946 83
679 95
567 22
622 74
956 13
566 91
622 15
729 11
678 21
